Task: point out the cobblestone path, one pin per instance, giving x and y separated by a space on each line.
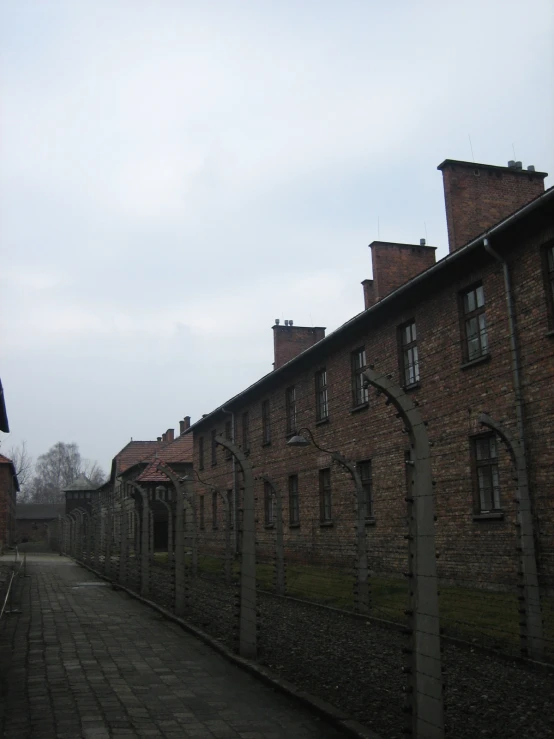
85 661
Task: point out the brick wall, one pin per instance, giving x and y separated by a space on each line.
7 506
451 394
477 196
395 264
290 341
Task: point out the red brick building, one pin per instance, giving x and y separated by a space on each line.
472 333
138 462
9 487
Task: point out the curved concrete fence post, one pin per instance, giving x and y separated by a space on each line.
185 533
162 496
531 631
280 582
248 637
424 669
123 531
144 539
362 567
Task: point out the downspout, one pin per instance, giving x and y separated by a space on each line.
513 343
532 630
235 501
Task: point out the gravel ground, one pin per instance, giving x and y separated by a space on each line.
356 665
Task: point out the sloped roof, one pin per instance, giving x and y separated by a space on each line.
335 338
80 483
6 460
134 452
40 511
4 424
179 450
153 474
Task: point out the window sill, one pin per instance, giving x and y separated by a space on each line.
550 333
473 362
326 524
491 516
370 521
322 422
362 407
266 443
411 386
294 525
269 526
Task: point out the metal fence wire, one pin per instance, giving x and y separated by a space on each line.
384 627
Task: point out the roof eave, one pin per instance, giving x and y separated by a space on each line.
386 301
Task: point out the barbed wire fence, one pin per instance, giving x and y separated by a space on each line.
348 603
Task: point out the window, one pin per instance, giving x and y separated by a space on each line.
214 448
475 323
245 432
201 512
364 471
486 471
228 436
294 510
360 393
266 423
214 510
548 253
291 409
409 358
201 452
230 509
269 504
325 495
321 400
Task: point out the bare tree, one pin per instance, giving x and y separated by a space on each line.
57 469
23 463
93 472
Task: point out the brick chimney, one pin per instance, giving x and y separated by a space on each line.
184 425
289 341
170 435
393 265
477 196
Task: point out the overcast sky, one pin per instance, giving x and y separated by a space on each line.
176 175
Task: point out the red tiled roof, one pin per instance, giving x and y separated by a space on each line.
153 474
134 452
179 450
5 460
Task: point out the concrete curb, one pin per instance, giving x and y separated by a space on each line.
339 719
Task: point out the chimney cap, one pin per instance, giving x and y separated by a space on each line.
531 168
455 163
277 321
422 242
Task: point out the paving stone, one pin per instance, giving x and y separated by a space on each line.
102 666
